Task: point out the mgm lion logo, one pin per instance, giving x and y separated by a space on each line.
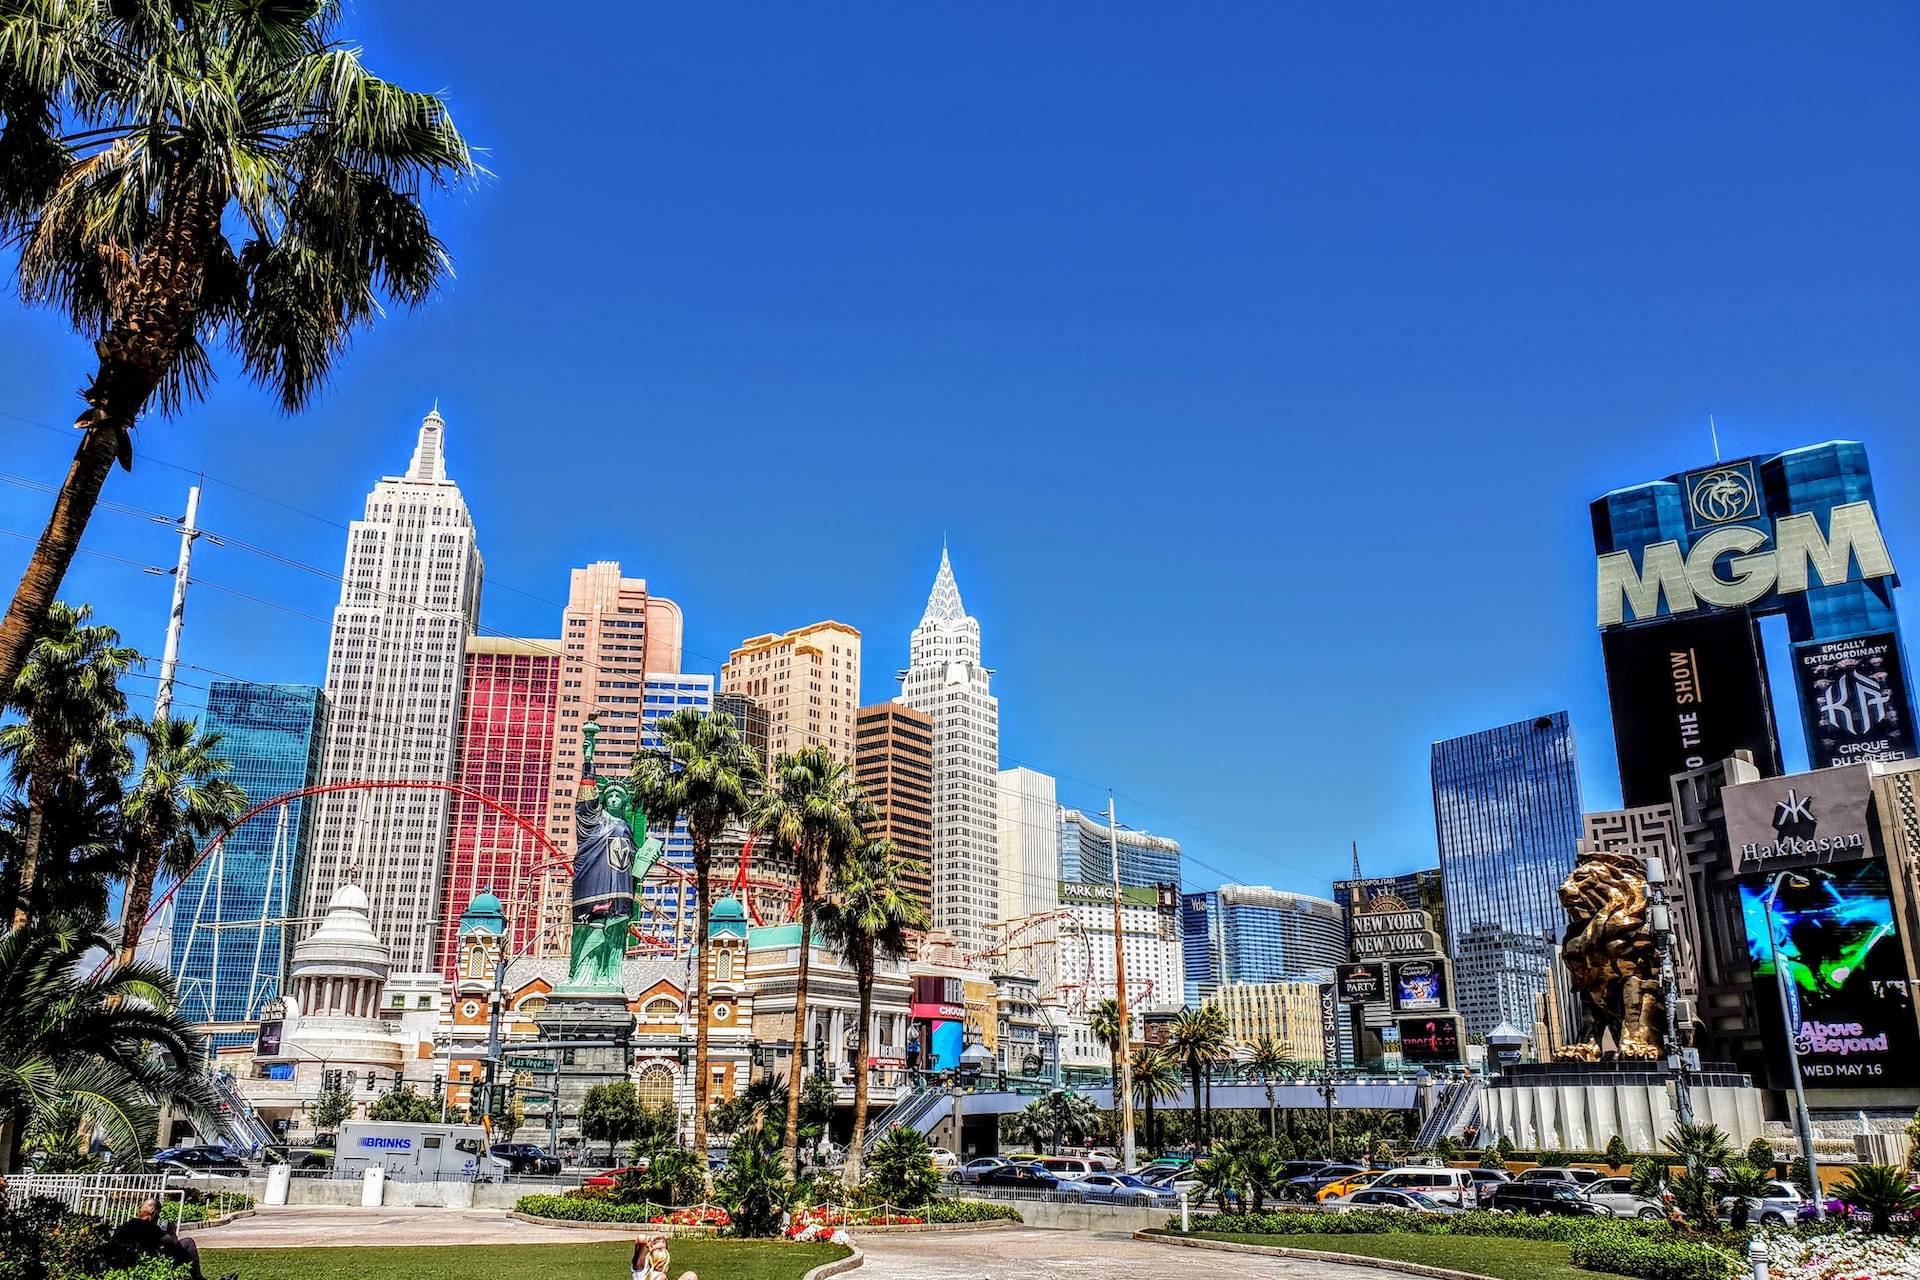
1723 495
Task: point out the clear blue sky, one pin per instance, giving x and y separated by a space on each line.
1260 361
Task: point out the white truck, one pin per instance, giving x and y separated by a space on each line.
414 1152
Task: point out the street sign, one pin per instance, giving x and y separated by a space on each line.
533 1097
530 1064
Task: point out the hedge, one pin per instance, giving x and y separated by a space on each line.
1654 1259
1512 1226
970 1211
582 1209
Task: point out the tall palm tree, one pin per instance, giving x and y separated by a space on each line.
1198 1039
70 705
1104 1021
107 1045
180 173
181 798
703 771
1268 1058
865 916
1156 1078
812 815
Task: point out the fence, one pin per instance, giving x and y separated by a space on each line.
112 1197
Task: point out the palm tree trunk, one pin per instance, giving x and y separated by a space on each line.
1273 1120
55 551
1193 1069
30 851
863 972
697 998
133 910
796 1073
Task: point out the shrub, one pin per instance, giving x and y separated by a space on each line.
1617 1152
1653 1259
580 1208
1760 1153
970 1211
1800 1174
38 1237
900 1168
1476 1223
152 1267
1504 1145
755 1188
1879 1191
675 1176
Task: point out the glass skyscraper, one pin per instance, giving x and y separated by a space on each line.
1506 813
1086 853
1250 933
232 905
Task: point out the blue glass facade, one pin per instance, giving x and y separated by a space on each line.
1249 933
273 735
1203 945
1506 814
1086 854
666 694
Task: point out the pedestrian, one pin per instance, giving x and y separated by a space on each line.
145 1234
651 1259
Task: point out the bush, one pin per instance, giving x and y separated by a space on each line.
1617 1152
38 1237
755 1188
970 1211
1654 1259
674 1176
900 1168
152 1267
1509 1226
579 1208
1760 1153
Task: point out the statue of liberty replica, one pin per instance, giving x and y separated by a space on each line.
612 855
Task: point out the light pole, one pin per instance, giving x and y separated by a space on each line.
1329 1092
1123 1086
1803 1121
1660 922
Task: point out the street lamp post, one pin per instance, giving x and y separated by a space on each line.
1660 923
1804 1122
1329 1092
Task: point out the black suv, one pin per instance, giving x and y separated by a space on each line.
1538 1197
523 1158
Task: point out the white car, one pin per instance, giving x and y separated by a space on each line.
944 1159
1780 1206
1616 1196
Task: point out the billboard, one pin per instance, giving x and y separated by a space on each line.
1419 986
1360 983
267 1044
1853 699
1802 820
1329 1024
1849 1006
1684 694
1425 1040
1392 933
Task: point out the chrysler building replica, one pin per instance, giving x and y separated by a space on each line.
409 599
944 679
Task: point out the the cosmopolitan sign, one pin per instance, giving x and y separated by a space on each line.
1731 565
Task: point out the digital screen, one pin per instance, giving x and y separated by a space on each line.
267 1044
1419 986
1360 983
1848 1001
1687 692
1425 1040
1853 699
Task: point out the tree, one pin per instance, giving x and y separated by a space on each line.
1745 1182
754 1188
705 772
1648 1179
1504 1145
1268 1057
107 1043
1617 1153
818 1096
1446 1148
1198 1038
903 1172
1104 1021
656 1130
1222 1176
812 815
67 695
179 799
332 1110
1078 1117
1489 1159
1156 1078
864 917
403 1104
179 174
610 1113
1701 1148
1879 1190
1035 1125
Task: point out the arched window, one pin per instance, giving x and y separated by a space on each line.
723 966
655 1085
660 1009
532 1004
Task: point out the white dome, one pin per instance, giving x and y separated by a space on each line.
350 897
345 937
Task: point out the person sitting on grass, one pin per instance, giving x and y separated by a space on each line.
650 1259
144 1233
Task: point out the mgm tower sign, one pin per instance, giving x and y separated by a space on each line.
1685 567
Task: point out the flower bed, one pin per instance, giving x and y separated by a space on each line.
1837 1256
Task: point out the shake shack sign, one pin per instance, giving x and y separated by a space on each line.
1393 933
1807 819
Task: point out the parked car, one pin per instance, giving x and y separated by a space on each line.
1485 1180
213 1161
1782 1204
1309 1185
1123 1188
1448 1186
1375 1198
298 1157
1347 1186
1072 1168
522 1158
1558 1173
970 1171
1174 1181
1616 1196
945 1159
1022 1177
1301 1168
613 1176
1538 1196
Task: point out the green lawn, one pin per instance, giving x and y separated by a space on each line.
713 1259
1492 1256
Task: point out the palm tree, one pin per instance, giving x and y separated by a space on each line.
183 173
865 916
1156 1077
1745 1182
1104 1022
70 706
1881 1190
812 815
180 799
109 1045
1268 1057
1198 1039
705 772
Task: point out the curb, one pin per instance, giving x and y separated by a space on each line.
1310 1255
848 1263
671 1230
932 1228
193 1228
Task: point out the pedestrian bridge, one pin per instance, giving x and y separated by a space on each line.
934 1104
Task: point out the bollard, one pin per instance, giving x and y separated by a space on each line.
1186 1223
1757 1257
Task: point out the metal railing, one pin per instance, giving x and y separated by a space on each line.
111 1197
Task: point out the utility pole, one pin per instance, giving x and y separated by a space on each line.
1124 1085
170 656
1660 923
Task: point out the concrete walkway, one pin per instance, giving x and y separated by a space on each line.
1072 1255
321 1226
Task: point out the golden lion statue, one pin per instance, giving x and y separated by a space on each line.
1610 956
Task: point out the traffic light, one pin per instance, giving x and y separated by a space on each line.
370 1084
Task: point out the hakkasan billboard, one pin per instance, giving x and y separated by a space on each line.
1831 928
